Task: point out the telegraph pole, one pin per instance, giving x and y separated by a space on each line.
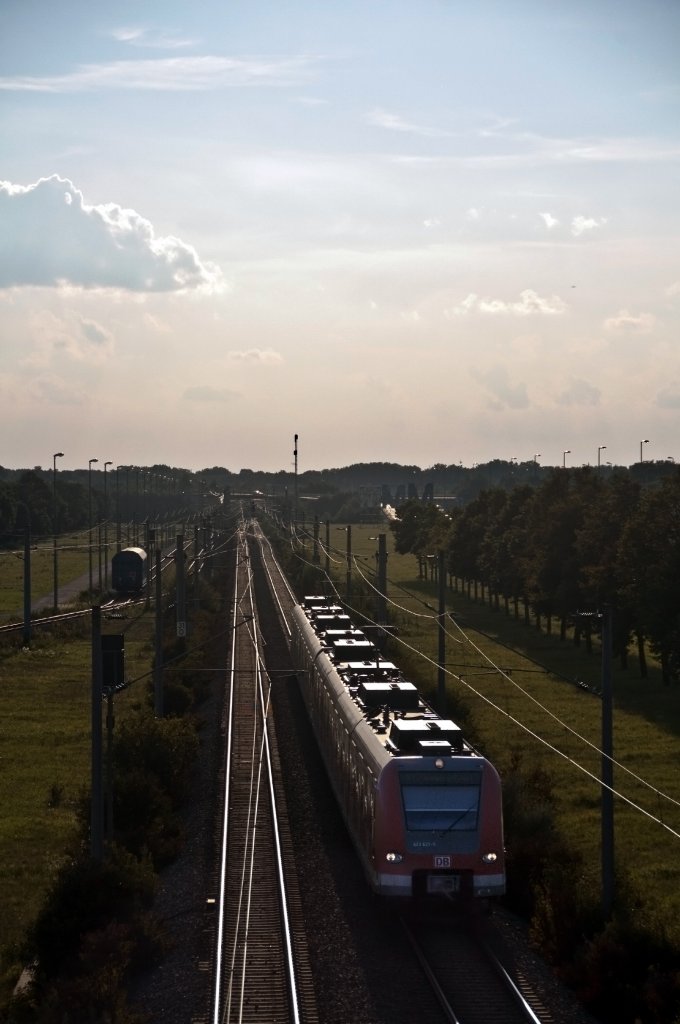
441 626
158 659
295 457
607 768
96 800
381 609
181 590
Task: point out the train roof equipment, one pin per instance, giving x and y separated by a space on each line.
391 705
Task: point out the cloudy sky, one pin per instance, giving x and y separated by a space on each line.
424 231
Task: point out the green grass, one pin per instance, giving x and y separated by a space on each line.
72 562
45 731
533 707
45 750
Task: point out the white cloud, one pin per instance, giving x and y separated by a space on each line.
580 225
206 393
98 337
528 303
168 73
156 324
669 396
76 337
396 123
52 390
265 357
579 392
630 322
673 289
549 220
52 237
505 394
143 37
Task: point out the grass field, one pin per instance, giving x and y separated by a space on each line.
518 685
45 757
530 706
72 562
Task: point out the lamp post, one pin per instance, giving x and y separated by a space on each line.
646 441
118 469
564 457
537 456
89 515
106 532
601 448
57 455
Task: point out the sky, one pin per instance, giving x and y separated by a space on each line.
418 232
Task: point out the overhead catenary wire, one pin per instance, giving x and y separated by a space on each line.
513 682
521 725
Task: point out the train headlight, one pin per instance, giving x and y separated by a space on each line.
490 858
393 857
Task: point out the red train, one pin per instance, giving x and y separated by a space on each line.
423 808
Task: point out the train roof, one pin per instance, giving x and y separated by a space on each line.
402 722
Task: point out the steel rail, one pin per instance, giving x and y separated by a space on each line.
442 999
232 994
264 691
262 540
217 985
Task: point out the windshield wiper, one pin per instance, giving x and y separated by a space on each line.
456 820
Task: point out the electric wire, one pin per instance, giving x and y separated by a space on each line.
545 742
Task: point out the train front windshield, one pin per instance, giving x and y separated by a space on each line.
441 801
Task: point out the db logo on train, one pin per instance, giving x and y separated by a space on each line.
442 862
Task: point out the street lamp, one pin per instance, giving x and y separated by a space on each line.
601 448
57 455
118 507
564 457
106 532
646 441
537 456
89 515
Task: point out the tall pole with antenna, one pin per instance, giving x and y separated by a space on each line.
295 457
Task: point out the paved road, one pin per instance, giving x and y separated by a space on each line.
69 591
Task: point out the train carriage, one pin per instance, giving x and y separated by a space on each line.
128 570
423 808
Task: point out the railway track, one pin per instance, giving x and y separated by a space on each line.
260 972
472 985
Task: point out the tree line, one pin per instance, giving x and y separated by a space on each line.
579 541
32 498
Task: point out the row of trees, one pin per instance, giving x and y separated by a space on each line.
32 498
577 542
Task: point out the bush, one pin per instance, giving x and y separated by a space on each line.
163 749
144 820
625 974
87 895
534 844
94 993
